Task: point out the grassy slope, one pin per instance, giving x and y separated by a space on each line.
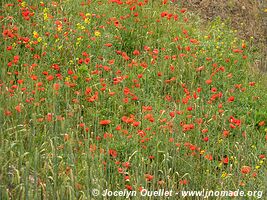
141 68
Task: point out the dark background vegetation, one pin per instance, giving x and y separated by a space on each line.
247 17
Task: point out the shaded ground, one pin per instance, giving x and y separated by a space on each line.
248 17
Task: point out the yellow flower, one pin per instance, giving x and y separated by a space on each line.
23 4
35 34
253 146
87 21
67 78
79 26
39 39
224 175
45 16
220 141
97 33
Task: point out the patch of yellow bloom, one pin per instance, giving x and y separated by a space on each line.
45 15
79 39
59 28
35 34
67 78
87 21
220 141
224 175
23 4
79 26
202 152
39 39
97 33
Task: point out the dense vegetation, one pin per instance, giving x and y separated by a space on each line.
123 94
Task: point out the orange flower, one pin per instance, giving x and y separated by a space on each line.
245 169
18 108
183 182
148 177
262 123
209 81
231 99
105 122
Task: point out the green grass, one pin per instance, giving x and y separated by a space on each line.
144 72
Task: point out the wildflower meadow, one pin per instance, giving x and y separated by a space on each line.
126 95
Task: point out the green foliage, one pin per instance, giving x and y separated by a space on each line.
104 95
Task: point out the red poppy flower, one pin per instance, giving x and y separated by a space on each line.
245 169
18 108
252 83
231 99
183 182
128 187
225 160
209 81
105 122
112 153
262 123
206 139
148 177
